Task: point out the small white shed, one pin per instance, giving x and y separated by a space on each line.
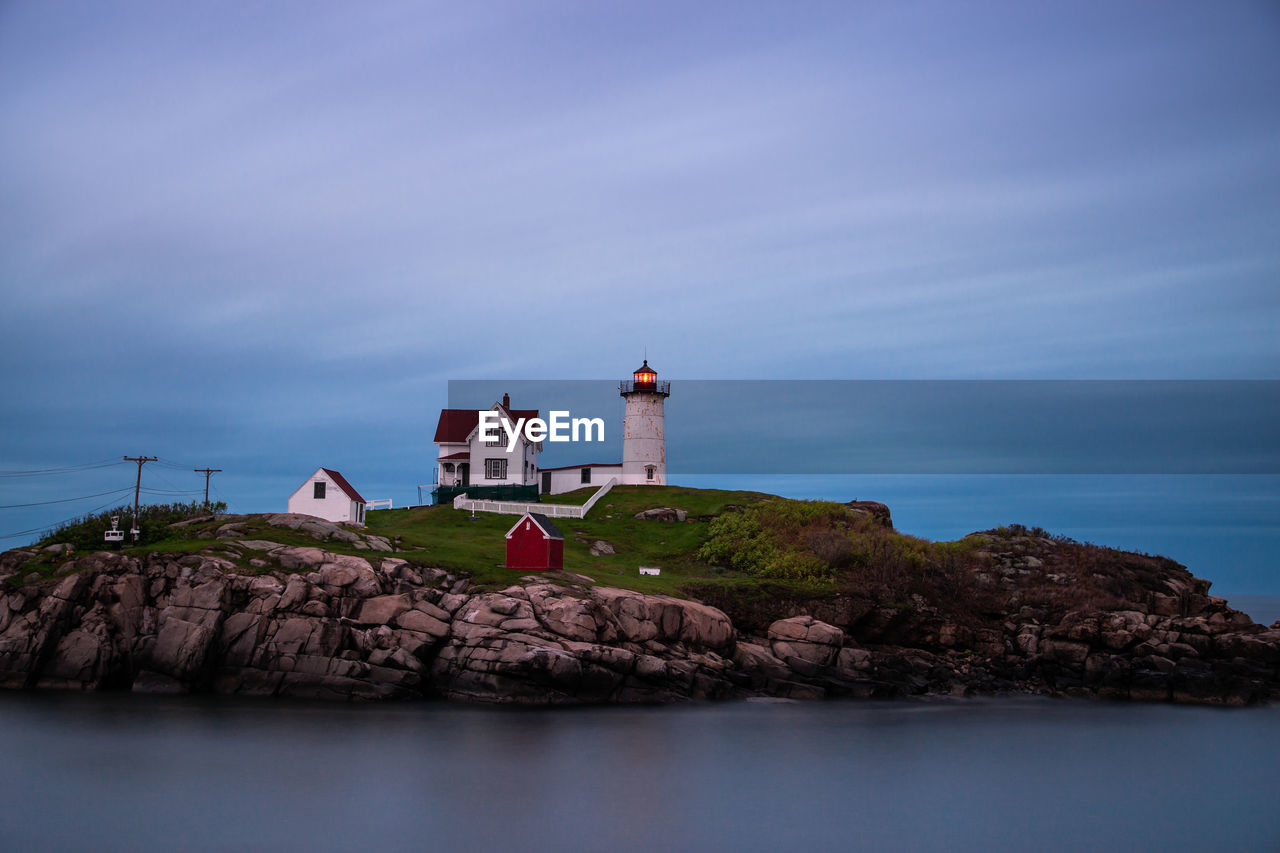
327 494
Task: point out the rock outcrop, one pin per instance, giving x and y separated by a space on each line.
548 644
314 623
663 513
233 527
346 627
874 509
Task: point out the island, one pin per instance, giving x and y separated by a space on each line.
757 596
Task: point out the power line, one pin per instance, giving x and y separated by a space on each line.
171 486
173 465
58 524
106 463
36 529
68 469
66 500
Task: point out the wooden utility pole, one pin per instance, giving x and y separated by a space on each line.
208 472
137 489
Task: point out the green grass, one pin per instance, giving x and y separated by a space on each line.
444 537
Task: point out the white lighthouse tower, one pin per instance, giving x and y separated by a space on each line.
644 436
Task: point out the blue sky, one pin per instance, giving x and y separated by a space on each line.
263 237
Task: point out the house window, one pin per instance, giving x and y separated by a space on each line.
448 467
318 491
491 434
495 469
586 475
648 473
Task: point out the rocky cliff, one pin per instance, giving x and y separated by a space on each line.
312 623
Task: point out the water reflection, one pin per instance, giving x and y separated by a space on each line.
127 773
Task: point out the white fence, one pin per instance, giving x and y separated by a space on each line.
520 507
378 503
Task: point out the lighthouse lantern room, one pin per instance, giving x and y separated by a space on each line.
644 441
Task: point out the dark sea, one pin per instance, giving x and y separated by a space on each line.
123 772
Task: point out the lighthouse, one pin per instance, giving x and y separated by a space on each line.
644 437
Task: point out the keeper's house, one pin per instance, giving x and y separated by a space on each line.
534 544
465 462
327 494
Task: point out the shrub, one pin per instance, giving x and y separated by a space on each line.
794 565
85 534
738 540
832 547
776 539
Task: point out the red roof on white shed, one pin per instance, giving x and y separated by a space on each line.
342 483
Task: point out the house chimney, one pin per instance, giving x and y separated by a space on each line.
506 401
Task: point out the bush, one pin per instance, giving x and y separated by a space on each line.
822 541
781 539
832 547
738 540
794 565
85 534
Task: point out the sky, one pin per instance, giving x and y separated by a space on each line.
263 237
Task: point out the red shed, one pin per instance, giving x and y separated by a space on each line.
534 544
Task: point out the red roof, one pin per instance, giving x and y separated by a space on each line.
462 454
344 485
456 424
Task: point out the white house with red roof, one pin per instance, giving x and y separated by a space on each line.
327 494
464 458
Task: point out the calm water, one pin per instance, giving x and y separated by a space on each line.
128 773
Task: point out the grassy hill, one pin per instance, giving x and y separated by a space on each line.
444 537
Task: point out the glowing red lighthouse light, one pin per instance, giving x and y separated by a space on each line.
645 375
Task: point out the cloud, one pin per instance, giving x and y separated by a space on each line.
286 226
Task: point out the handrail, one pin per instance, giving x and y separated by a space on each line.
591 501
521 507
